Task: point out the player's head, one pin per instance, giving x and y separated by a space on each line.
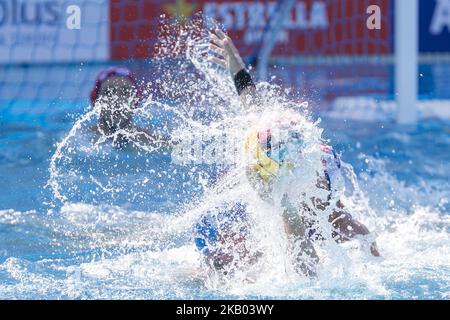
116 81
221 235
118 93
273 148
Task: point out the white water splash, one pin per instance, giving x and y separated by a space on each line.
151 255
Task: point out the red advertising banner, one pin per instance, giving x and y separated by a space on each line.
313 27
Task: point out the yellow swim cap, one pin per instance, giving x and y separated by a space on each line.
259 161
270 149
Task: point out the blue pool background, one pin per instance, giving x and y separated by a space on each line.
402 170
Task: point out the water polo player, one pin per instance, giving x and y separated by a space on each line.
267 151
117 93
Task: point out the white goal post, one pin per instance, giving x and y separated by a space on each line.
406 60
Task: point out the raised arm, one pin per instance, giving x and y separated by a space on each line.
228 56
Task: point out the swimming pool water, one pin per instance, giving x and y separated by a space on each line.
105 249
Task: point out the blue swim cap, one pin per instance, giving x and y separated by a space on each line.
218 225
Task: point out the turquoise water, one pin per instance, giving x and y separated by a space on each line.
83 219
114 246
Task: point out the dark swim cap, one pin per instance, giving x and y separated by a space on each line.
114 72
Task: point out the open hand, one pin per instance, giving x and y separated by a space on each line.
227 54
